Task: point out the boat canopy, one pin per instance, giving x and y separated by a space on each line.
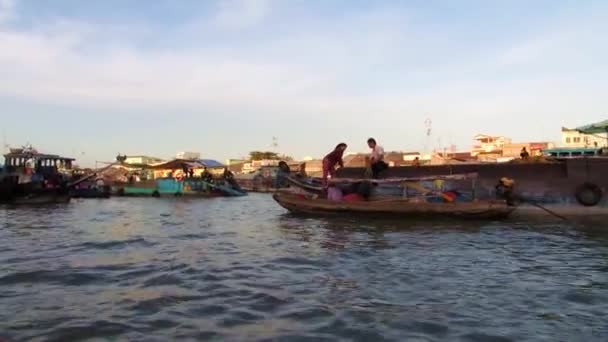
210 163
20 157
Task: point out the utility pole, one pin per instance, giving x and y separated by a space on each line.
4 143
429 126
275 143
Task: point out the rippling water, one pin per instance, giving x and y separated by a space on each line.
242 269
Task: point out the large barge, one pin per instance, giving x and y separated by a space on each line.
574 187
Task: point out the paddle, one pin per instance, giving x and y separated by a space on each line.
505 189
536 204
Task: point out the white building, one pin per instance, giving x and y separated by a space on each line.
411 156
575 139
488 144
142 160
188 155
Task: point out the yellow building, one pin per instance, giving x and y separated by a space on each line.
576 139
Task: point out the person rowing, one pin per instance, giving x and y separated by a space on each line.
331 160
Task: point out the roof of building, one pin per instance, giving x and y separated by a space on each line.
481 136
598 127
210 162
462 156
143 156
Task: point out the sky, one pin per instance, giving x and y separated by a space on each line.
91 79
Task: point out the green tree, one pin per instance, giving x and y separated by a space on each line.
267 155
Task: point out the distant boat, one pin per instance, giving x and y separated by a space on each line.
188 187
30 177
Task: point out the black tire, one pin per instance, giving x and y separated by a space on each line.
120 192
178 194
588 194
156 194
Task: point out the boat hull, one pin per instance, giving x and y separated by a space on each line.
169 187
90 193
39 199
485 210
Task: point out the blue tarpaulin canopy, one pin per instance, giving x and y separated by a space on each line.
210 163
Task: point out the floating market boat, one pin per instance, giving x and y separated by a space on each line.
179 177
437 196
91 192
39 199
30 177
404 207
190 187
569 189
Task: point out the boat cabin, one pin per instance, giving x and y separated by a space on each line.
22 160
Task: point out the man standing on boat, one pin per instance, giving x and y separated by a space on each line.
332 159
377 158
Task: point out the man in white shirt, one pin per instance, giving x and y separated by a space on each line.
377 157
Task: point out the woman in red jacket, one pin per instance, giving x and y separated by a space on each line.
331 160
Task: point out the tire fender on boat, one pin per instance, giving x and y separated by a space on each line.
178 194
155 194
588 194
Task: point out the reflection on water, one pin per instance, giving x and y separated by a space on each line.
243 269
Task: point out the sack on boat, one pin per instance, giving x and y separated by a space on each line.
334 194
352 198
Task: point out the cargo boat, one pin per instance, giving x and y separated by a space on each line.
570 188
30 177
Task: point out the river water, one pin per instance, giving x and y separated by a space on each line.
240 269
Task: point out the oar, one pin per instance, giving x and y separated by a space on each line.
536 204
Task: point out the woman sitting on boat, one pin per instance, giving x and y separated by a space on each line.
331 160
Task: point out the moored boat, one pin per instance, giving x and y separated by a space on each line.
403 207
92 192
434 197
39 199
171 187
30 177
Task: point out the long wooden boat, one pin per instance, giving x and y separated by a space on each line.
486 210
169 187
38 199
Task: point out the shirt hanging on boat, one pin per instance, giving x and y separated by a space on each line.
377 153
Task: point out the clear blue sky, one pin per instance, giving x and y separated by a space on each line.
158 77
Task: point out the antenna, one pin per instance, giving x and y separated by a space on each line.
275 143
428 124
5 146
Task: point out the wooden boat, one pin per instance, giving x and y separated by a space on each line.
189 187
403 207
93 192
33 178
39 199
